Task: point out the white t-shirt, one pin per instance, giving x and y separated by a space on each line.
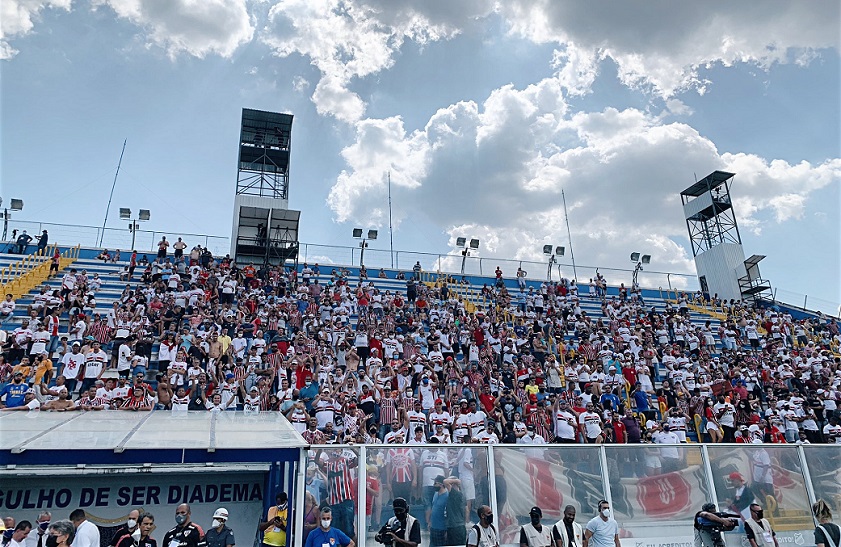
72 365
592 424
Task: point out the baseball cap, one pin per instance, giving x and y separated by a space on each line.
536 511
735 476
221 513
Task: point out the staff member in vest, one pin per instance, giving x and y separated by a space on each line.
274 529
567 532
219 534
534 534
326 535
408 534
758 530
483 534
602 530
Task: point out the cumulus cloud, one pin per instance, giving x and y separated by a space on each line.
348 39
195 27
17 17
662 45
496 170
658 46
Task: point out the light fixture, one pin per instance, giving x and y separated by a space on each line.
144 214
474 243
16 204
125 213
372 234
646 259
635 257
357 232
460 241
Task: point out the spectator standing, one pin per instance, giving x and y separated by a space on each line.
87 533
186 533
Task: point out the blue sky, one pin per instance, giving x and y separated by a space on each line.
481 111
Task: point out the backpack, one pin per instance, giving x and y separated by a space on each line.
479 535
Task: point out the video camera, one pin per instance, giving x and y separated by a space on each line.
712 526
394 526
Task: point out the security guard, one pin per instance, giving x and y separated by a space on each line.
534 534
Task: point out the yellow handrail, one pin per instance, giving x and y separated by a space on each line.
22 276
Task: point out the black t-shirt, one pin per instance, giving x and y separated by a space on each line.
834 534
556 534
186 536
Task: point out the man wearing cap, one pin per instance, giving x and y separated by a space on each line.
275 527
72 365
534 534
567 532
409 534
219 534
743 496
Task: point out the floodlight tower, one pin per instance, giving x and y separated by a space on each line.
264 230
462 243
15 205
716 243
553 254
357 234
635 257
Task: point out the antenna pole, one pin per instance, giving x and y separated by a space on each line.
569 235
390 230
111 195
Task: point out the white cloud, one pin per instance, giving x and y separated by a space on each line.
662 45
348 39
17 18
300 84
495 171
195 27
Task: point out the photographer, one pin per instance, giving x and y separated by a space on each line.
402 530
709 524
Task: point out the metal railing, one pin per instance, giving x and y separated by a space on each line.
117 238
146 241
21 276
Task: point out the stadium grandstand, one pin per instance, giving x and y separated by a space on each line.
349 379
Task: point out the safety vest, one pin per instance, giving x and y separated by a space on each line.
577 532
763 535
538 538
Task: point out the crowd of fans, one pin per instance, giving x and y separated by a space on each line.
347 362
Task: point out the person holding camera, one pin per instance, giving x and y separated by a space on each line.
709 524
274 529
402 530
325 534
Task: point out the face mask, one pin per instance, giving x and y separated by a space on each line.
760 514
131 523
44 525
136 535
489 519
606 513
325 523
216 523
52 541
180 519
308 384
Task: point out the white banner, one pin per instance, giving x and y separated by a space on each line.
107 499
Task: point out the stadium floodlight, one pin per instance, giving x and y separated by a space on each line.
554 251
357 233
465 246
125 214
372 234
16 204
635 257
144 214
646 259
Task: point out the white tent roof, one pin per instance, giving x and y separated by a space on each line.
121 430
